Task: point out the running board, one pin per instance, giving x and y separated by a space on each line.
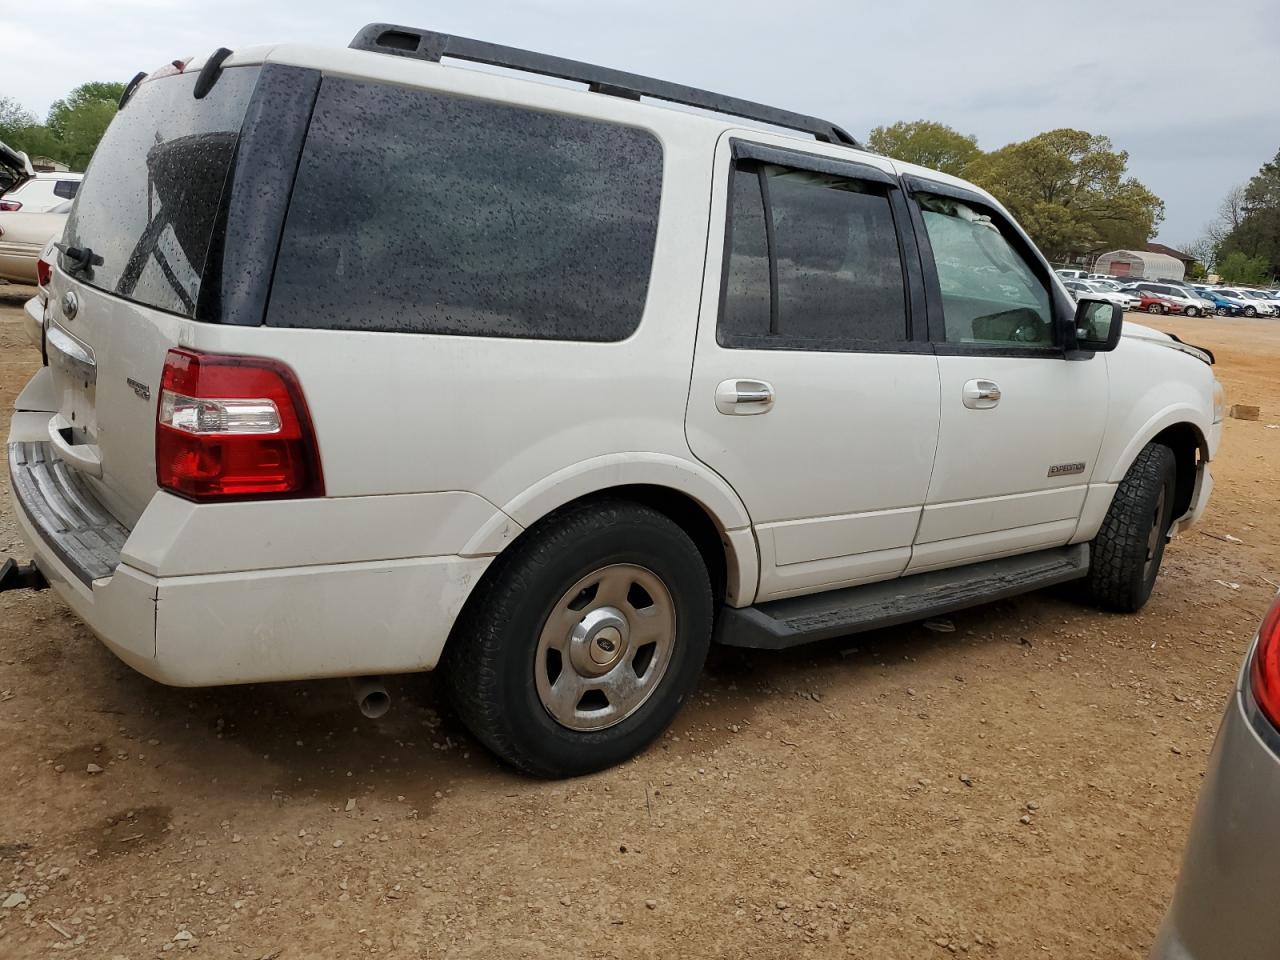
819 616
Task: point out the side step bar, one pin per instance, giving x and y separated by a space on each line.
20 576
788 623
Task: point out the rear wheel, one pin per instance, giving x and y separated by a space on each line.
1125 555
584 639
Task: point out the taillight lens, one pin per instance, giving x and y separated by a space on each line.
231 427
1265 673
44 270
10 205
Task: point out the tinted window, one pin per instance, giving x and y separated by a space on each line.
150 200
990 294
835 253
428 213
66 189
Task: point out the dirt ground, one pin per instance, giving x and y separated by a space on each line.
1020 787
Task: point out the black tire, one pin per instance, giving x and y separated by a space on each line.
1125 556
1222 311
1191 312
1250 312
491 658
1154 308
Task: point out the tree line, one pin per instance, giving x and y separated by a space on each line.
1069 189
71 130
1243 242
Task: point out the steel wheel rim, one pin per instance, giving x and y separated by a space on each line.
605 647
1153 538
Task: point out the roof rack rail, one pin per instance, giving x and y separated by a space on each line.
428 45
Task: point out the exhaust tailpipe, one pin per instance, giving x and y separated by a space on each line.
371 696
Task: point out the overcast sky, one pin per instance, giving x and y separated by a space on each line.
1187 88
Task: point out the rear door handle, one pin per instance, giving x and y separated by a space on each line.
981 394
744 398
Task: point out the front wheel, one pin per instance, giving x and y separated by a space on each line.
583 640
1154 308
1125 556
1191 312
1250 312
1222 311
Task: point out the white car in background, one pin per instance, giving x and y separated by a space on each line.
1091 290
42 192
23 236
1255 305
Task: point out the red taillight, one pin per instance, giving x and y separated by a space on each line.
1265 673
44 270
233 427
10 205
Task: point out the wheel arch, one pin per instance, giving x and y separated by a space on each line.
692 495
1175 428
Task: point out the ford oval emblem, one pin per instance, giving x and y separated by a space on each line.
70 304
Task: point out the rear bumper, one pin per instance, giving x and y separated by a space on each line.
1224 904
278 621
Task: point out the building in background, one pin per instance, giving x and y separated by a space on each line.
1143 264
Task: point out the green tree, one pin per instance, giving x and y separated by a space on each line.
927 143
1235 267
79 120
1069 190
1256 232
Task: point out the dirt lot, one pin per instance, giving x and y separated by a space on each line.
1021 787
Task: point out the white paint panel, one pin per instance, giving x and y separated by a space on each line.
945 521
305 622
822 538
176 537
989 546
797 579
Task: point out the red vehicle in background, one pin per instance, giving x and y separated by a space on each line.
1150 303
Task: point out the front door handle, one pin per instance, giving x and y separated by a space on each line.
744 398
981 394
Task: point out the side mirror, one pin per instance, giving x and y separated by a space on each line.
1097 325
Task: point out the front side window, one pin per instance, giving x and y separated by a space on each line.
420 212
813 262
990 295
66 189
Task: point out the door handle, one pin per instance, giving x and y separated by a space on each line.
744 398
981 394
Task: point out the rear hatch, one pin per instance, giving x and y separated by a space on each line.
146 224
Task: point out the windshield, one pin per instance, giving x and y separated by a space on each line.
150 200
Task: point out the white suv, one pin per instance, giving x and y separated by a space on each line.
41 192
364 363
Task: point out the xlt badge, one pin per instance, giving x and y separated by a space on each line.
1065 469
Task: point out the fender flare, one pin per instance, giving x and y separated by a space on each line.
599 474
1167 417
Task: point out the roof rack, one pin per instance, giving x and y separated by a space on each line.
428 45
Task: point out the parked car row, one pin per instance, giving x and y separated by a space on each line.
1173 296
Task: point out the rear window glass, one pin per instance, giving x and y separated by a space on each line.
426 213
833 277
149 202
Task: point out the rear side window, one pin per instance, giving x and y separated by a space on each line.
813 262
421 212
66 189
150 199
